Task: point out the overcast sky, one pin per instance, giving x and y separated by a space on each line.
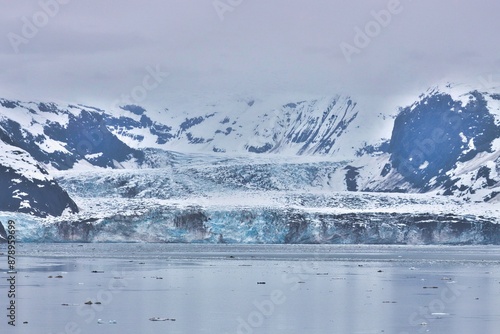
94 51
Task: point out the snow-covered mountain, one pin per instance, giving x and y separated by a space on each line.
283 158
61 137
447 142
27 187
310 127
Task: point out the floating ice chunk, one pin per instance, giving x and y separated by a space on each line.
160 319
463 137
424 165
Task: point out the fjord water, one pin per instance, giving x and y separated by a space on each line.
195 288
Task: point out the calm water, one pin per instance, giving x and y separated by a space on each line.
253 289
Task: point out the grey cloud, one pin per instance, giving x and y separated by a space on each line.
98 49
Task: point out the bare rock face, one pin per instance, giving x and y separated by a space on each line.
433 135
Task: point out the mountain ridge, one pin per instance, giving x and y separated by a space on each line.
446 142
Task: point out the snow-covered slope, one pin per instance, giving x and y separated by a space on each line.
62 136
308 127
27 187
3 234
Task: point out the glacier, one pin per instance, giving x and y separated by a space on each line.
269 225
212 199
